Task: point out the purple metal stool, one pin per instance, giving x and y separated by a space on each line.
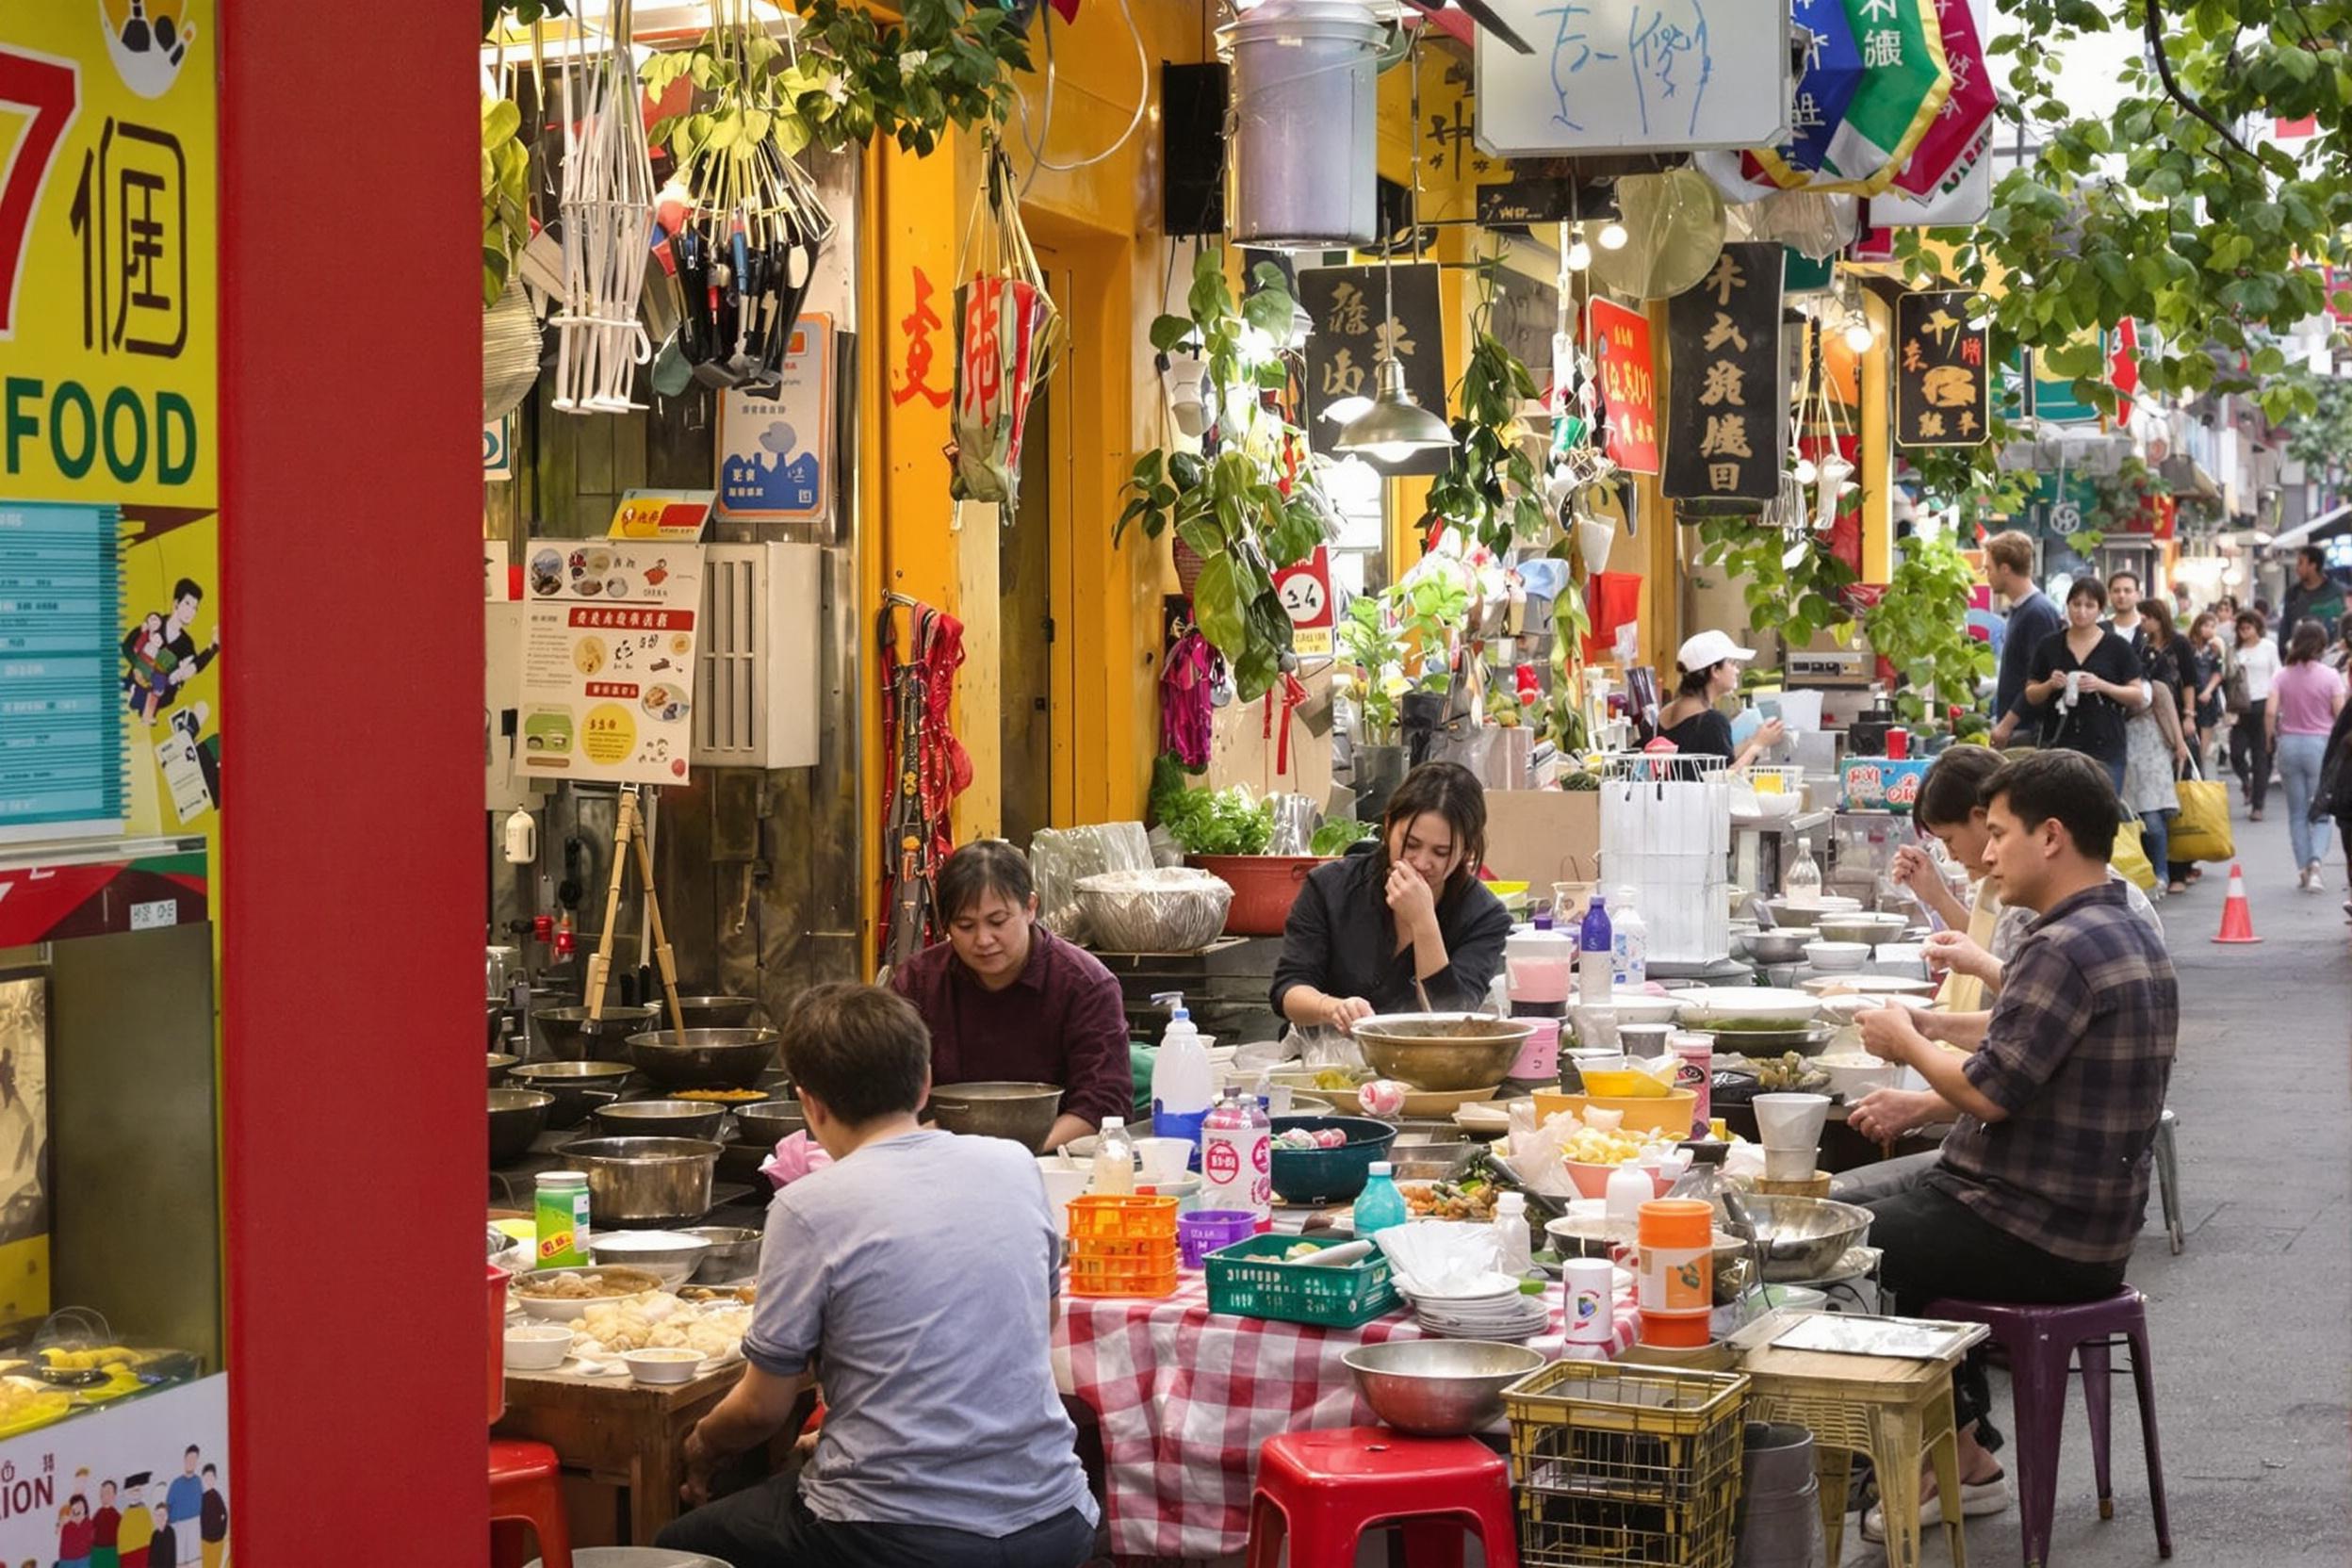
2042 1342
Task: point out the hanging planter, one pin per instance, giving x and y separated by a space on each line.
1188 565
1303 125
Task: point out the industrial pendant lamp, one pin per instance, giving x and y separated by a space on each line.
1396 427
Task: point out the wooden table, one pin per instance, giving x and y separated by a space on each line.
1897 1410
619 1432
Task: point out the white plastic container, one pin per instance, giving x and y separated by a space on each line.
1629 943
1183 1085
1305 106
1629 1187
1514 1249
1540 964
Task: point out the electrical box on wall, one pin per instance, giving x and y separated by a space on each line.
757 696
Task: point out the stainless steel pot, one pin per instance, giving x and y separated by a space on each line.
734 1253
516 1117
1021 1111
660 1119
500 1064
765 1121
704 1059
644 1181
1442 1052
712 1012
578 1086
565 1032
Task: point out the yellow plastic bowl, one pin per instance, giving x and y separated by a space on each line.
1625 1084
1671 1112
1506 890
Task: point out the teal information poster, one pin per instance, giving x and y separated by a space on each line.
65 670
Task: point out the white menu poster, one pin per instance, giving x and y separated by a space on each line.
608 686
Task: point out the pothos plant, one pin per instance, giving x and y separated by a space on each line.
852 76
505 195
1489 489
1796 594
1248 505
1410 626
1919 626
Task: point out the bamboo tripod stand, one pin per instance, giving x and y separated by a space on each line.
629 842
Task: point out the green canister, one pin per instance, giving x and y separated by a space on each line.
562 1210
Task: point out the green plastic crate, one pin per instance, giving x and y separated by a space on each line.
1250 1280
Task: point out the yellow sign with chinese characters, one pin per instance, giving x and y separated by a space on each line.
109 354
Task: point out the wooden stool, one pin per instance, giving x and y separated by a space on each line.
1324 1489
527 1488
1896 1411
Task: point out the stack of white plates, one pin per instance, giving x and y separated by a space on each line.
1490 1307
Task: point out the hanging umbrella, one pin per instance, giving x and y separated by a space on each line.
1833 75
1956 140
1904 85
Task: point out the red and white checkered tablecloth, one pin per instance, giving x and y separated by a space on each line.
1185 1399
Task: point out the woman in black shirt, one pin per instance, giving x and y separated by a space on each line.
1406 904
1711 671
2086 683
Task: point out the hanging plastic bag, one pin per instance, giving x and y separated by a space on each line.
1008 338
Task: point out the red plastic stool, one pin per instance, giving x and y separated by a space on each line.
527 1488
2043 1342
1326 1488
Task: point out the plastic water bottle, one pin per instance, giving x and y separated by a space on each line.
1182 1090
1514 1248
1379 1205
1596 978
1237 1159
1629 944
1114 1160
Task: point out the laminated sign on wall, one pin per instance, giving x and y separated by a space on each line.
1650 75
608 659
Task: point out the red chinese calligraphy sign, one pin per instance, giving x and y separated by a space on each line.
1621 339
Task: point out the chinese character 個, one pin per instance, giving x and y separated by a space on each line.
131 212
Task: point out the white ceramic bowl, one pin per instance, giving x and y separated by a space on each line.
1708 1005
537 1346
1836 958
1636 1007
670 1256
664 1366
1852 1075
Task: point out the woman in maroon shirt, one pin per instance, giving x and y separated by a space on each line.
1005 999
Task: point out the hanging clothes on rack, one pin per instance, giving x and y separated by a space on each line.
927 768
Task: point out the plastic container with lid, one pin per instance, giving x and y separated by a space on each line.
1183 1085
559 1208
1675 1282
1541 963
1629 943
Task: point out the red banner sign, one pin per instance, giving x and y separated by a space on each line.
1621 339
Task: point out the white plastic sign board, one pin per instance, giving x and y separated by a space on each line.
1634 75
164 1454
608 659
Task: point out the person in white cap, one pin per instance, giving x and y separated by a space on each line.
1711 671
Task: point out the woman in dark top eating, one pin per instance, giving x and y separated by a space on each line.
1408 903
2087 684
1711 671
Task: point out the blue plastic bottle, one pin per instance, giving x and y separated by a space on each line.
1595 941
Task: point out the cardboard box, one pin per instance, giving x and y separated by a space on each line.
1541 837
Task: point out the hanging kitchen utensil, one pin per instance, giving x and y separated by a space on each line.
606 215
1008 338
510 352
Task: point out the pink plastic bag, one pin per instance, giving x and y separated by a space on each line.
796 1155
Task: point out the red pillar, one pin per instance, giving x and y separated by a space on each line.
350 504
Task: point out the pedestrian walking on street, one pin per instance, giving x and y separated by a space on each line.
2086 683
2033 621
2316 593
2246 691
2211 655
2153 747
2304 702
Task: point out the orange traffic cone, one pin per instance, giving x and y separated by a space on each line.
2237 915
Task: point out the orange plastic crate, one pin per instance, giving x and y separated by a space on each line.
1126 1254
1099 1277
1122 1219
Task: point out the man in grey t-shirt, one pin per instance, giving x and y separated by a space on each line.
919 1275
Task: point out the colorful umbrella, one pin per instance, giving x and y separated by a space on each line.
1904 89
1953 143
1833 74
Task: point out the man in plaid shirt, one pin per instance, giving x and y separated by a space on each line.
2043 1182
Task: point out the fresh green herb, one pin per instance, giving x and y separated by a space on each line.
1335 835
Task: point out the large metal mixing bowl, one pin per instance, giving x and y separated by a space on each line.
1021 1111
704 1059
767 1121
565 1032
712 1012
660 1119
1443 1052
578 1086
501 1062
644 1181
1803 1237
1439 1387
515 1117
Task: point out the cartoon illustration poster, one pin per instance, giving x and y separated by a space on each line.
775 446
23 1147
608 660
109 309
148 1477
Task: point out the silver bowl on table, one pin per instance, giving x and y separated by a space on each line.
571 1035
578 1086
516 1117
660 1119
704 1059
1803 1237
644 1181
734 1253
1439 1387
1021 1111
1443 1052
712 1012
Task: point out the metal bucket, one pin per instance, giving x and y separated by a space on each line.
1304 106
